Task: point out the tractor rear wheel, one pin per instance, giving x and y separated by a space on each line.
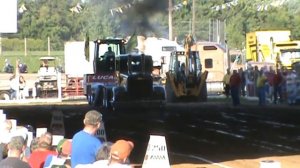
170 95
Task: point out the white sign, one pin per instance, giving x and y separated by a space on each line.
29 138
2 117
270 164
8 16
75 57
101 134
13 125
157 153
56 139
40 131
57 125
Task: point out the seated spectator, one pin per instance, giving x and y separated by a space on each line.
119 154
34 145
101 157
16 147
63 149
38 156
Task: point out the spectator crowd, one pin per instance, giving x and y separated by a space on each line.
267 83
84 150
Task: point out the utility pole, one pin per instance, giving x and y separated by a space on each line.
193 18
0 45
48 46
170 20
25 46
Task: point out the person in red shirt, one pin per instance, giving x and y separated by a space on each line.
37 157
235 83
277 82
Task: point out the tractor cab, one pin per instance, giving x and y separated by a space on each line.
185 69
106 51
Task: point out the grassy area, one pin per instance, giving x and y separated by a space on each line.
31 60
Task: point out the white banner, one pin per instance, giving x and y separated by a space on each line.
8 16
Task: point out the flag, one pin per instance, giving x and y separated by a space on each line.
87 47
131 43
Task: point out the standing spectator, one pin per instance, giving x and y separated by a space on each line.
84 143
243 81
226 83
250 85
285 73
291 85
235 83
13 83
119 154
260 85
16 147
256 74
38 156
277 82
270 84
23 88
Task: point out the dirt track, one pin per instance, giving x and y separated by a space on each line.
212 134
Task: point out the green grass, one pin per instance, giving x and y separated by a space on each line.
31 60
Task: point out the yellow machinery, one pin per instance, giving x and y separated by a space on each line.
185 80
274 47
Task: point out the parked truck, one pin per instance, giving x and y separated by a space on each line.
273 47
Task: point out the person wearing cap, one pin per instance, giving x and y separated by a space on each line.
16 147
63 149
84 143
119 154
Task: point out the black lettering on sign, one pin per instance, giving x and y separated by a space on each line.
102 132
158 148
157 157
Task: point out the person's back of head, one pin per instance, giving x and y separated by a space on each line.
16 146
45 141
234 72
104 151
92 118
34 144
228 71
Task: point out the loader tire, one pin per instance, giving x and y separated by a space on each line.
170 95
203 94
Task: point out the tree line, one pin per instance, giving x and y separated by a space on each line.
71 20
